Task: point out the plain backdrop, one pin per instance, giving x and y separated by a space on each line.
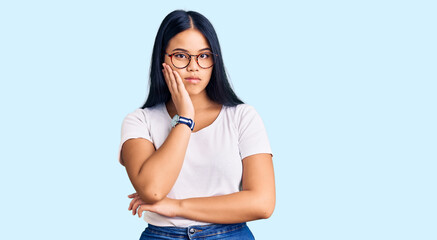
346 90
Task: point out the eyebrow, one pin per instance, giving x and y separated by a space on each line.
183 50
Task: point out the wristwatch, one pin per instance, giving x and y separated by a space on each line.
178 119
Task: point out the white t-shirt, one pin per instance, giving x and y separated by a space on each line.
213 160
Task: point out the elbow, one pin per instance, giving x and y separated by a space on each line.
265 212
265 208
151 192
151 197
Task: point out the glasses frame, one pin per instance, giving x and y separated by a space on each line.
189 59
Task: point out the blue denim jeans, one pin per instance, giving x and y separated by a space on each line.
213 231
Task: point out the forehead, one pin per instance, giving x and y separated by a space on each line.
191 39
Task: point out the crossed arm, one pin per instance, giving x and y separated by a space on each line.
255 201
154 172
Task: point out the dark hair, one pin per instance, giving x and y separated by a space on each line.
218 88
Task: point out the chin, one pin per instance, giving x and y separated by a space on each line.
193 92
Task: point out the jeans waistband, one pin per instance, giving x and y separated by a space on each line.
196 231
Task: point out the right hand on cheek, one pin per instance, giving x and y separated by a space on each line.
179 94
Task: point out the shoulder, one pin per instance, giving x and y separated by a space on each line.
137 115
243 114
143 114
241 109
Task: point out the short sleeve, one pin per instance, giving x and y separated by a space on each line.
134 126
252 135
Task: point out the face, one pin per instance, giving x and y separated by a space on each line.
190 41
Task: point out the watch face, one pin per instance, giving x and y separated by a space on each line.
175 120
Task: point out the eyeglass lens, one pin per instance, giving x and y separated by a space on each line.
181 60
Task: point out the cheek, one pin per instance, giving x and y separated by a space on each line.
179 71
209 73
168 62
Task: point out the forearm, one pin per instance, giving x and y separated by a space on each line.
160 171
232 208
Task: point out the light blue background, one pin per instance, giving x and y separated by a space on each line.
346 90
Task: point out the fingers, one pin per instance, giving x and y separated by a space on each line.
179 93
144 207
140 209
180 84
131 204
135 202
135 205
166 74
132 195
169 77
173 80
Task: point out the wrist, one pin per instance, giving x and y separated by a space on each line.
179 207
190 116
176 120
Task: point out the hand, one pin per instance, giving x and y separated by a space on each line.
167 207
179 94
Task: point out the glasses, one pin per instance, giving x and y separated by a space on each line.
182 60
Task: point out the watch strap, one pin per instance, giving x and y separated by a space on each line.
187 121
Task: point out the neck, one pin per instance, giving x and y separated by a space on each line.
200 102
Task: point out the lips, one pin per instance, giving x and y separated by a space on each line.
192 79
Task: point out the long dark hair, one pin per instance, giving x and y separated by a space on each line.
218 88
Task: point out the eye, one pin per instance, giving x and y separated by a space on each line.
205 55
180 55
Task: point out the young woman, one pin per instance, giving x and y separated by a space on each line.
198 157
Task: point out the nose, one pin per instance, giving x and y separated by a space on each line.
193 66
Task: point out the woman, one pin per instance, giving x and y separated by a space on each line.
198 157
